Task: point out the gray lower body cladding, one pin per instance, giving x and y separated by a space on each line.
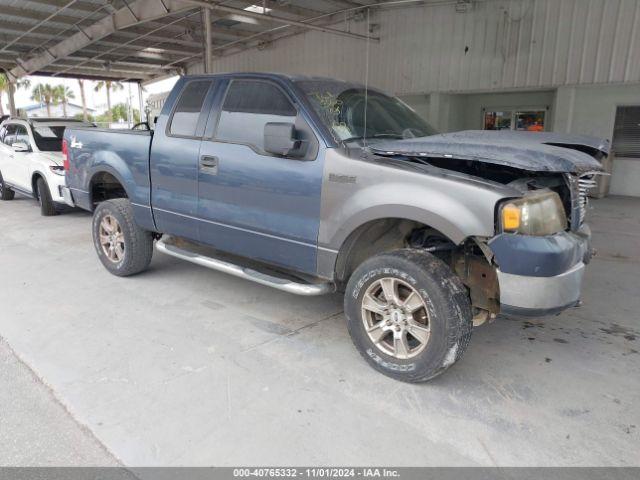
540 275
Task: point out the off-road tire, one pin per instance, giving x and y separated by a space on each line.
446 301
47 207
138 243
5 192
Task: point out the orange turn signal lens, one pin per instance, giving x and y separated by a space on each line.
510 217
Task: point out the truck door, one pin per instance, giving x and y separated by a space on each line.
252 203
174 160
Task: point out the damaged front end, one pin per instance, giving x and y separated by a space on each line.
534 265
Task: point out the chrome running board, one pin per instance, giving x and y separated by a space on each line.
280 283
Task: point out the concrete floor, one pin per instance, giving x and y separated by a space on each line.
185 366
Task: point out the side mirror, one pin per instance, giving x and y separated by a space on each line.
20 147
280 139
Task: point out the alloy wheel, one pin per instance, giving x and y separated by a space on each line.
111 239
396 318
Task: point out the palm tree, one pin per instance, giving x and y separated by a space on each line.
47 94
109 85
85 116
5 85
64 94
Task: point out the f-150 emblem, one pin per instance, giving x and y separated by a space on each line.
75 143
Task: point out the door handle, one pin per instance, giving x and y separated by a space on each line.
209 164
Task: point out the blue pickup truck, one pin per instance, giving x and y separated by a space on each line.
313 185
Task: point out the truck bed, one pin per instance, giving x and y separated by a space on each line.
90 150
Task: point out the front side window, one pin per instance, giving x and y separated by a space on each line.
22 135
248 106
10 135
341 106
184 121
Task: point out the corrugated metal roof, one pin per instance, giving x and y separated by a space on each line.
496 44
139 51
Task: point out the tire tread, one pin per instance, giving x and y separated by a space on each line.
140 247
458 308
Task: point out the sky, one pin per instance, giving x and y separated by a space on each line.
95 100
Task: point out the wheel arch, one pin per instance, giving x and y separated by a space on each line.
34 182
105 184
380 234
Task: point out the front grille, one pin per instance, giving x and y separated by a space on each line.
580 187
585 183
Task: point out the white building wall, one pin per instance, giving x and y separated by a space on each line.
56 111
592 111
499 44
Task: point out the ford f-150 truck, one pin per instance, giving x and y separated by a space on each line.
313 185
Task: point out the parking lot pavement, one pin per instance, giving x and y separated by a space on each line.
34 428
185 366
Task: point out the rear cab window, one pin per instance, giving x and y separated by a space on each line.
186 116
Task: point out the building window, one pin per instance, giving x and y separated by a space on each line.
528 120
626 132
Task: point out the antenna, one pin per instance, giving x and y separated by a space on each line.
366 81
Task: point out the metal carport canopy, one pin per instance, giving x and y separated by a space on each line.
143 40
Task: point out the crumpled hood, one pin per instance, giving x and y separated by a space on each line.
55 157
533 151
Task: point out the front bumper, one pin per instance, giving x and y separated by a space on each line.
541 275
66 194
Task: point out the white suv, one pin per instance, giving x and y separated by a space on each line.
31 160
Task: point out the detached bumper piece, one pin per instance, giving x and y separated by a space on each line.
540 275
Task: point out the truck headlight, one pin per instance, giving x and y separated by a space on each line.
537 214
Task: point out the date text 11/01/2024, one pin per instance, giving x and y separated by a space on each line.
316 472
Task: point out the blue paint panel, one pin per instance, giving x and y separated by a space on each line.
122 153
538 256
174 172
277 198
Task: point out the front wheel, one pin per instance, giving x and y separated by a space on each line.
122 246
408 314
5 192
47 207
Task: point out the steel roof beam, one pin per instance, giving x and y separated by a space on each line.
143 11
71 22
48 17
281 20
148 50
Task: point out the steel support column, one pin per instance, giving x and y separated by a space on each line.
208 59
143 115
12 102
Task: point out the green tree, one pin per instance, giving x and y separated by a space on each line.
4 87
109 86
81 116
120 111
83 99
47 94
64 94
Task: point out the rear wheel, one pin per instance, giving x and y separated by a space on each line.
47 207
5 192
122 246
408 314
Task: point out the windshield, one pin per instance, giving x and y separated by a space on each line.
340 105
49 138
